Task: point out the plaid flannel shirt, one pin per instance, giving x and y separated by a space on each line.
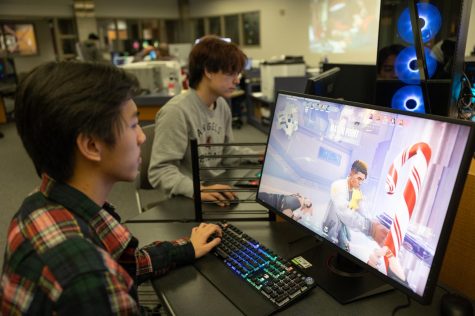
67 255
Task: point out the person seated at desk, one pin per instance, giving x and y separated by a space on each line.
202 113
150 52
89 50
67 252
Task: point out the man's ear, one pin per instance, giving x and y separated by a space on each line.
89 147
208 74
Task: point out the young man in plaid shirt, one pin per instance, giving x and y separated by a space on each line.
67 252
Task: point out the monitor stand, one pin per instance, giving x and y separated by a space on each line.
340 277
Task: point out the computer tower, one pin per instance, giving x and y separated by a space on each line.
421 45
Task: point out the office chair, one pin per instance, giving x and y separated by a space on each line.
141 182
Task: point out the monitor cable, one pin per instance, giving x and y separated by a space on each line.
402 306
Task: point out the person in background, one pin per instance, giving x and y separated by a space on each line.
150 52
89 50
67 252
202 113
386 61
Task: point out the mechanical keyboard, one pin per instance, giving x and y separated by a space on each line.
271 276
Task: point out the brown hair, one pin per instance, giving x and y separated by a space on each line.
214 54
360 166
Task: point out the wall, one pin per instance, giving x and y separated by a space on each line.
38 11
45 46
103 8
137 8
284 25
56 8
284 28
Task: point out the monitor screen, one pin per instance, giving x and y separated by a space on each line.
323 84
7 70
379 186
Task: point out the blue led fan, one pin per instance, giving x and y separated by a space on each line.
430 20
406 67
408 98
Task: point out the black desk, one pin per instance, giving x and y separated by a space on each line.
150 104
181 209
185 291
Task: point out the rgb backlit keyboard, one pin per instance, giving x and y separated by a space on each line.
271 275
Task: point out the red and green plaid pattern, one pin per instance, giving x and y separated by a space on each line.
65 254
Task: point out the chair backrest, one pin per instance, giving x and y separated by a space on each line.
141 182
146 151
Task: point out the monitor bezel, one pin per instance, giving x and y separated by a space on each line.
452 208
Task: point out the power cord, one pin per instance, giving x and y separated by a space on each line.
402 306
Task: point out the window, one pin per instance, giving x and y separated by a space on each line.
214 25
199 28
242 28
231 27
251 32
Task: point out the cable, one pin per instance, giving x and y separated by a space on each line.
465 106
402 306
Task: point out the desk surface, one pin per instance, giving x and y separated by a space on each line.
187 292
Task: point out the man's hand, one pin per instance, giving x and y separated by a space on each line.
221 198
199 238
290 214
379 232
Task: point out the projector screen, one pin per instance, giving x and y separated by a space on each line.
344 30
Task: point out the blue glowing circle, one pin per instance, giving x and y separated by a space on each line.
406 67
432 21
408 98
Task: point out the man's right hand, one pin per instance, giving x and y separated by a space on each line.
221 198
379 232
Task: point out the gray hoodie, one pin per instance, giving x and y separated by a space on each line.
182 118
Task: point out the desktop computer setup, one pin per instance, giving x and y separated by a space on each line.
161 77
378 188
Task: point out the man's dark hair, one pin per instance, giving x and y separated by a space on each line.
57 101
360 166
214 54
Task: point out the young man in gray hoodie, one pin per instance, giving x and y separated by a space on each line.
202 113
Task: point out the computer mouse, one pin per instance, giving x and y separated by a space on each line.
455 305
234 202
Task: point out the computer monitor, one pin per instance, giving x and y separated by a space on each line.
180 51
292 84
355 81
8 77
323 84
378 186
